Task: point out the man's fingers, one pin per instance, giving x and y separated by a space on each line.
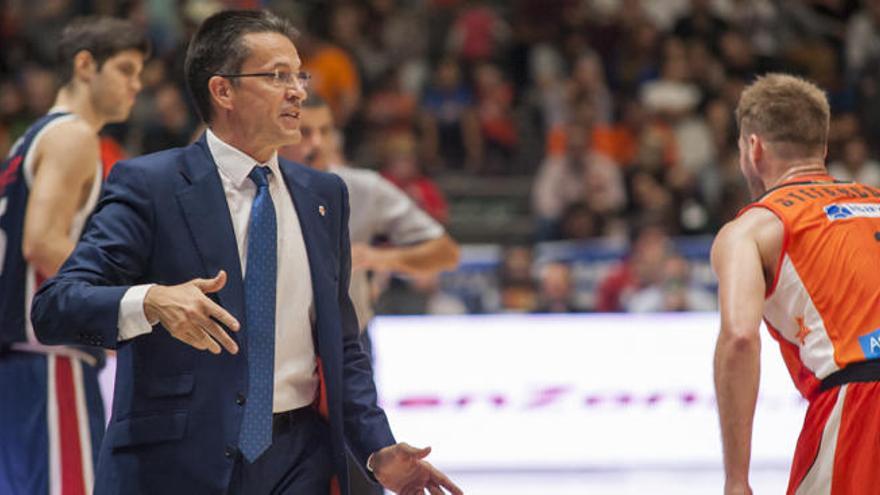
434 489
219 335
220 314
444 481
211 285
195 337
419 453
188 336
205 340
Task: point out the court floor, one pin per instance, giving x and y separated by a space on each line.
679 482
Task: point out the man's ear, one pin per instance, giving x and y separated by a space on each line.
84 65
756 149
221 92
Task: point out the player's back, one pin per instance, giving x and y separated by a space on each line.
824 304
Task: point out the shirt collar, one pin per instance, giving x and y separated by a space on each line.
235 164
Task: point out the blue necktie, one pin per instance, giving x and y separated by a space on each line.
259 299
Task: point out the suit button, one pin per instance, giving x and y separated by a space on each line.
229 452
240 399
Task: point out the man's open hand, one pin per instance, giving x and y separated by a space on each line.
190 316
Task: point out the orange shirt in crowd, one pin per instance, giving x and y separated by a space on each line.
333 74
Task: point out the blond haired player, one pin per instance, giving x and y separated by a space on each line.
803 257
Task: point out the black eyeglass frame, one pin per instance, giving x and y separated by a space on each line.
302 77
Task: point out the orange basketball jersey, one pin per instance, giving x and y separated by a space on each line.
824 303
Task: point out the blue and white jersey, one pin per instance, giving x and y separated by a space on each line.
19 280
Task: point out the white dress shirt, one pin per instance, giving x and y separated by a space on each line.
296 380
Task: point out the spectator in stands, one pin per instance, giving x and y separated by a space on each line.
478 33
38 85
863 39
400 166
547 98
517 289
172 126
587 82
577 175
619 139
449 123
705 70
701 24
637 56
334 74
651 201
737 55
556 293
495 113
675 291
347 25
856 164
390 107
423 295
578 223
642 268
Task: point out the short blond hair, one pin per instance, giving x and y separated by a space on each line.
786 110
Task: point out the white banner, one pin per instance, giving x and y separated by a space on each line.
571 392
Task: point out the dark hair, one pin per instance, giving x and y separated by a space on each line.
102 37
218 48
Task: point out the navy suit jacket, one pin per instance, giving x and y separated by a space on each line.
163 218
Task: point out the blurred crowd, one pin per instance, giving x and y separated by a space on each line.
618 114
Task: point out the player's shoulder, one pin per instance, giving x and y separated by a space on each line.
68 142
750 219
64 132
755 224
357 176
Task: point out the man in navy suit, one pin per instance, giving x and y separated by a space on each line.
222 246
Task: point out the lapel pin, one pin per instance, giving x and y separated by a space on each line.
321 210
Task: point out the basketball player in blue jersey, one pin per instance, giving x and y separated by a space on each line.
51 411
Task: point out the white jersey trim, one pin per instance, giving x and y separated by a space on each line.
791 300
818 479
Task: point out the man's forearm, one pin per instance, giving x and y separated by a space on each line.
737 370
430 256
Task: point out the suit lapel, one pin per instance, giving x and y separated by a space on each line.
203 205
319 248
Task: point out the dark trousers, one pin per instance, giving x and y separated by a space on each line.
297 463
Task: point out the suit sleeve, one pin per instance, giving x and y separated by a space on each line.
80 305
366 425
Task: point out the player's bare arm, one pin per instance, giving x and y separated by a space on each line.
743 258
431 256
64 171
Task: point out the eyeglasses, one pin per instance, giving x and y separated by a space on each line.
278 77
